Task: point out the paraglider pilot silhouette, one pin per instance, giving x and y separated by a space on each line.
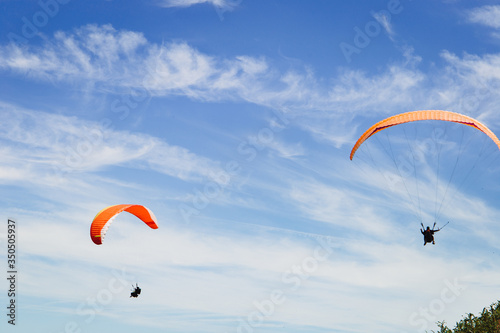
429 233
136 291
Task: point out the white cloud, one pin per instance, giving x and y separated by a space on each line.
226 4
44 145
486 15
179 69
93 53
479 68
119 60
385 22
266 140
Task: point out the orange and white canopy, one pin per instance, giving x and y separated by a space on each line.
103 219
424 115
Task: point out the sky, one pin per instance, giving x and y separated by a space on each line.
233 121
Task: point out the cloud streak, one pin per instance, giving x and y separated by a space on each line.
60 145
223 4
486 15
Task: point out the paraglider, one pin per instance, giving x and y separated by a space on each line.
412 177
136 291
103 219
429 233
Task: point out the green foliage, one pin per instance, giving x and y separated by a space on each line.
487 322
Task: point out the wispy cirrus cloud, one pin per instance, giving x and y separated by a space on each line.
105 58
117 59
45 145
223 4
485 15
385 22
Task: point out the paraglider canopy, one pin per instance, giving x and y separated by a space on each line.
103 219
424 115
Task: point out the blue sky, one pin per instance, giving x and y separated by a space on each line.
233 121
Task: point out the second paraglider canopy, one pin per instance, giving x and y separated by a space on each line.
103 219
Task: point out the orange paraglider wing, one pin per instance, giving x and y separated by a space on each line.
103 219
424 115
